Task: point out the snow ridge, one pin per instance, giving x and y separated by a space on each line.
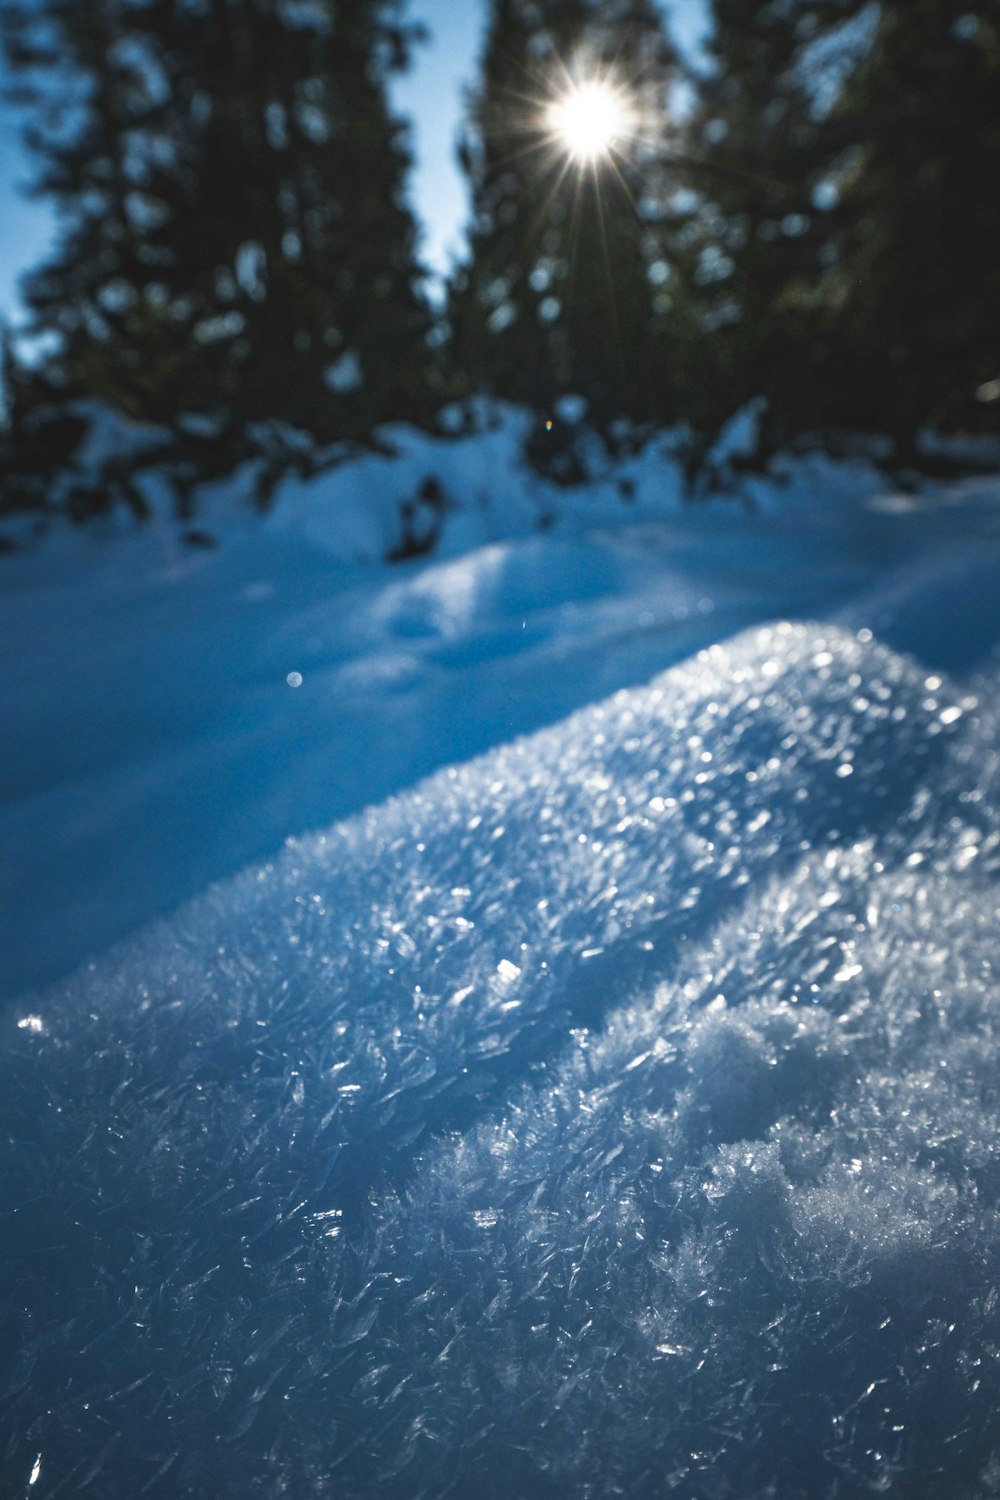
637 1134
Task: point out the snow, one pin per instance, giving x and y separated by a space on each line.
345 374
175 713
613 1111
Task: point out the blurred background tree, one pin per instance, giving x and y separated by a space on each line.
807 219
230 181
748 242
558 293
840 256
914 281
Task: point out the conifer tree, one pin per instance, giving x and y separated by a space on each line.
750 244
916 281
230 184
838 253
558 294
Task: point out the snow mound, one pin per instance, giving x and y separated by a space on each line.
616 1114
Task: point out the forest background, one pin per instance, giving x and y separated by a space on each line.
803 222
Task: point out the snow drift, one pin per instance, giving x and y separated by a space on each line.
616 1114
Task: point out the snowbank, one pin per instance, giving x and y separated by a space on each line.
173 713
616 1113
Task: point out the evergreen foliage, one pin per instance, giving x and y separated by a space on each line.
809 221
915 283
747 239
839 253
230 182
559 292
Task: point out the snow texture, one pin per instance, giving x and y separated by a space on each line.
173 714
616 1114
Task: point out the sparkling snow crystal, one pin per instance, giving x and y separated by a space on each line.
618 1114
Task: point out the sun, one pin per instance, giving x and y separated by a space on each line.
589 119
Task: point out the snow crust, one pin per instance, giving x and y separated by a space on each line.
614 1114
174 713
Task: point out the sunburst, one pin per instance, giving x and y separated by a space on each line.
590 119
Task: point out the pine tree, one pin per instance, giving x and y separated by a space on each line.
558 294
750 243
230 182
916 282
837 254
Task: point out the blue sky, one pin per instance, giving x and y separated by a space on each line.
431 96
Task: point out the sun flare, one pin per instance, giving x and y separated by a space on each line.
589 119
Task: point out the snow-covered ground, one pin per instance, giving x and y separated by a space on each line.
174 713
615 1113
